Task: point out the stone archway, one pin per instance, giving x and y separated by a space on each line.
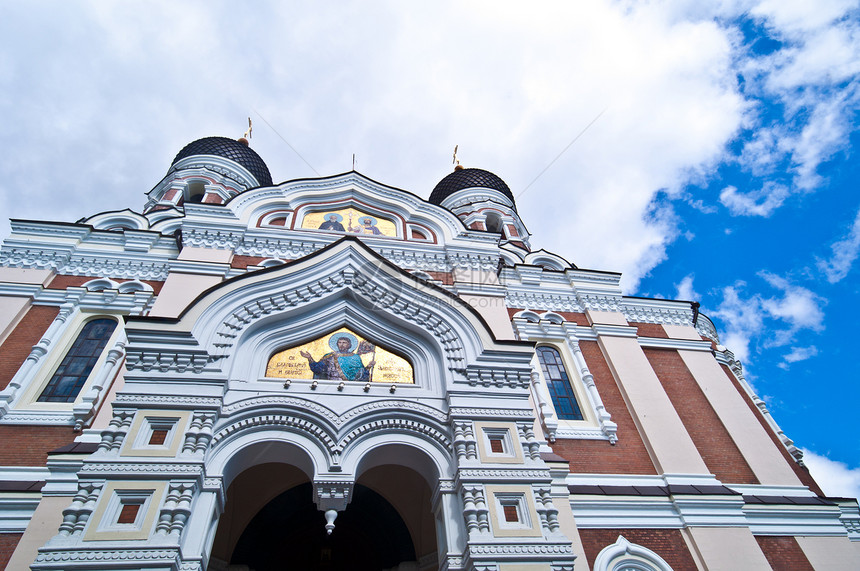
270 521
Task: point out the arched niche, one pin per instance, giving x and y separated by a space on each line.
340 355
267 337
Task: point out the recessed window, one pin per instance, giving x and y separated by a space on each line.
511 513
128 512
158 436
497 445
196 191
494 223
558 383
79 362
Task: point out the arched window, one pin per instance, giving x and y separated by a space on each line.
558 383
79 362
195 191
494 223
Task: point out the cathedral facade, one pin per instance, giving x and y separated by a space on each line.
332 373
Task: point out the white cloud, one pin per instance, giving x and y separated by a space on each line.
798 354
845 252
767 321
835 478
95 115
685 289
760 202
798 306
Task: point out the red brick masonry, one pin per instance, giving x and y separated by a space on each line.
783 553
712 440
667 543
19 343
628 455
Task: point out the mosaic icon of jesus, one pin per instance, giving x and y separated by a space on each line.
342 363
340 355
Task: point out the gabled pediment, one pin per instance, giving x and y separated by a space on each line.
345 284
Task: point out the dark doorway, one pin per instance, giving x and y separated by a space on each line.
289 533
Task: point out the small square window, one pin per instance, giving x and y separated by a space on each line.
497 445
512 515
128 512
498 441
158 436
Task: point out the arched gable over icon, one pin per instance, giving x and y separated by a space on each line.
230 332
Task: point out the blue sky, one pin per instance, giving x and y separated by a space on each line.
719 165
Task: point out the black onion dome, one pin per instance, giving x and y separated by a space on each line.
229 149
469 178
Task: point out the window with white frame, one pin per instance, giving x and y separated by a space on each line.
80 360
558 383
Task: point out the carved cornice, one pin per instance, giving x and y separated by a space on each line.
479 413
506 475
211 238
657 311
171 401
166 361
62 558
499 378
160 470
543 301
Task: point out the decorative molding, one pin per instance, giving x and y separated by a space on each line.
659 311
169 361
166 469
521 549
529 475
63 557
499 378
197 237
167 401
478 413
542 301
614 557
707 328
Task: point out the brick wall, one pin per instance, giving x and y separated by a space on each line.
14 351
667 543
628 455
446 278
712 440
29 445
243 262
783 553
650 330
801 472
8 543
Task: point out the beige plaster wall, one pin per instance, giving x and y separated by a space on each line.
191 254
12 309
567 523
662 431
180 290
44 525
495 313
831 552
26 276
756 446
728 549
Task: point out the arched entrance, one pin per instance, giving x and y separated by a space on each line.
289 533
270 522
